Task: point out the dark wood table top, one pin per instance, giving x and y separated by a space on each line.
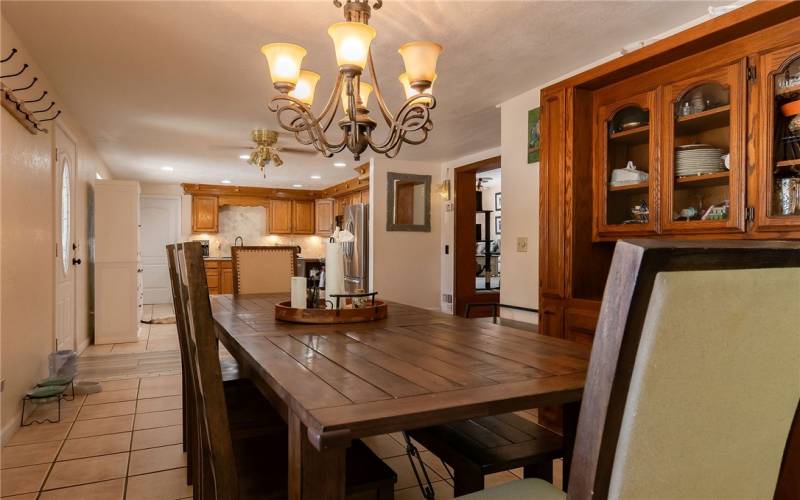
413 369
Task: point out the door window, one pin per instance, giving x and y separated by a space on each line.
66 215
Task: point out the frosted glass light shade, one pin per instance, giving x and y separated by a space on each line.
365 89
351 41
284 61
304 89
411 91
420 60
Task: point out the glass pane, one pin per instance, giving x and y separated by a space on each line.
786 171
65 216
628 157
488 204
701 158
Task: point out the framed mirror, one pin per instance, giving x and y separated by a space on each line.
408 206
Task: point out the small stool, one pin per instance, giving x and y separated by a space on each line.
50 381
47 390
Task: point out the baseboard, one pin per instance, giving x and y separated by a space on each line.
516 315
10 428
83 345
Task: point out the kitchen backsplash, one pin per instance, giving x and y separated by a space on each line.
250 223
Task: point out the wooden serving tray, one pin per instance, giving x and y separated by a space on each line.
284 312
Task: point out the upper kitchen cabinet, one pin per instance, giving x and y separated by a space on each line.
779 172
205 214
626 160
302 216
280 217
324 216
703 155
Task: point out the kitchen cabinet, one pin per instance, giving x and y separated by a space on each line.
219 276
205 214
324 216
302 216
280 217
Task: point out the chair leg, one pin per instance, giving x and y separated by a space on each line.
542 470
467 480
413 453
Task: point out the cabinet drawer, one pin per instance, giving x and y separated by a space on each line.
211 264
212 279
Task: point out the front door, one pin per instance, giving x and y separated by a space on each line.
66 248
160 218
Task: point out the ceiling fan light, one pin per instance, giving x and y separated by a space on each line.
305 87
365 89
284 60
411 91
420 59
351 41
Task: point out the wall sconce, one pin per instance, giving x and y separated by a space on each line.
444 189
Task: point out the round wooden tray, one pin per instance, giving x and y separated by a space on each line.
284 312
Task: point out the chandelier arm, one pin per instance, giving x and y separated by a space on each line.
331 104
413 116
387 115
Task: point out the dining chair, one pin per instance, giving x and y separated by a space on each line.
253 464
264 269
692 389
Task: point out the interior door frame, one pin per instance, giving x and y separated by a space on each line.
464 240
57 228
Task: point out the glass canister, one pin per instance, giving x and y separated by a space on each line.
787 195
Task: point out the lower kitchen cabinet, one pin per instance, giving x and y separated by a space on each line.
219 275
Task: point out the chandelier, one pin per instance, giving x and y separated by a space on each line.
352 39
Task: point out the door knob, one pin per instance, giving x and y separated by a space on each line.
76 262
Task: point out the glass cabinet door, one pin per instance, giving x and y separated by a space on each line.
703 153
779 165
627 159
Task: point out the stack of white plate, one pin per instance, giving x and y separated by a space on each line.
698 159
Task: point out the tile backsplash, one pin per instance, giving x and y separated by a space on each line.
251 223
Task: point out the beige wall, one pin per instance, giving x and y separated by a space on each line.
27 243
406 265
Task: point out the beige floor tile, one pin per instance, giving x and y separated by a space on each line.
25 496
405 475
163 331
158 419
77 402
87 470
159 404
442 490
29 454
111 396
156 459
558 473
130 347
520 473
105 490
164 380
39 433
159 392
118 385
99 426
161 436
107 410
162 344
499 478
50 412
93 446
165 485
163 310
384 446
94 350
22 479
433 462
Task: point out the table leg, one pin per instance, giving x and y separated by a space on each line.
313 474
569 428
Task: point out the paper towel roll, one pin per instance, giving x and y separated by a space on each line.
334 271
299 292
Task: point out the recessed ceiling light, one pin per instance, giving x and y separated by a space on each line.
316 177
244 157
340 164
226 181
297 185
166 168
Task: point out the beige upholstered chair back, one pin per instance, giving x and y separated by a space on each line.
266 269
714 387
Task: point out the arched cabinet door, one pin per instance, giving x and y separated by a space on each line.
626 161
703 153
778 164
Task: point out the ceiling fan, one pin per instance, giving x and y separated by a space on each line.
265 151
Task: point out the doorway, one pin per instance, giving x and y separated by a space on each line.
478 226
64 159
160 217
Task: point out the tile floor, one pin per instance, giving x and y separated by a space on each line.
125 442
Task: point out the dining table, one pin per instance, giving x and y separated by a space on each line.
334 383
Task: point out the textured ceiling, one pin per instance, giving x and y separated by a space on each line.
167 83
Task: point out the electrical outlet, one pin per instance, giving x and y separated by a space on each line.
522 244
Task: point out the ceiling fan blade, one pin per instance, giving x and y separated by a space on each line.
229 146
301 151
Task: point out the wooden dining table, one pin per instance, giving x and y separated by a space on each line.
416 368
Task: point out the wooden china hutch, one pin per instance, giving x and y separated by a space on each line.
696 136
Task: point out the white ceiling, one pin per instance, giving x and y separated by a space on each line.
165 83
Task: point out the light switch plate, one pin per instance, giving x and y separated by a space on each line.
522 244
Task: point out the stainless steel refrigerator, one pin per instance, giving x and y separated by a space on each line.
356 254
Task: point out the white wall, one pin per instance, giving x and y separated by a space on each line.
27 241
406 265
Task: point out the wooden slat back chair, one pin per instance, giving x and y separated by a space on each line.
693 388
265 269
218 476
